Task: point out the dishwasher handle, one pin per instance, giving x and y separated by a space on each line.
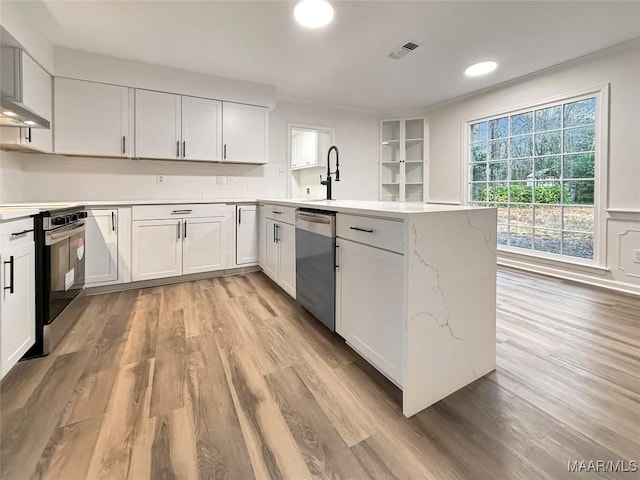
314 217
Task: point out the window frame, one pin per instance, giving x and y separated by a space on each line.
600 200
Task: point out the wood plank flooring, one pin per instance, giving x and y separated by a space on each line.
228 378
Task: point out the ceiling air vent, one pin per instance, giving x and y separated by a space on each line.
403 50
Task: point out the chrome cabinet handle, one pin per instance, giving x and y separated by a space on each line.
366 230
277 233
181 212
11 266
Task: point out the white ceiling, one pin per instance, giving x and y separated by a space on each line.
346 63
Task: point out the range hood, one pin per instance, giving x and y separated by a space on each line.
13 110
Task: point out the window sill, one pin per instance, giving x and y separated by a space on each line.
521 259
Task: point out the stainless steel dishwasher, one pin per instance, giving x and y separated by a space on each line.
316 264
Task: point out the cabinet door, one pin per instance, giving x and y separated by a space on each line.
157 125
18 308
286 238
101 263
91 118
156 249
272 251
201 129
262 236
246 234
369 304
244 133
204 244
38 96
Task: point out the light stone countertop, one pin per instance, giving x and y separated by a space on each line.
364 207
10 213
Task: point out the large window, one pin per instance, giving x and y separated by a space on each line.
538 167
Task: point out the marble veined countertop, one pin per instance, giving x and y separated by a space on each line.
365 207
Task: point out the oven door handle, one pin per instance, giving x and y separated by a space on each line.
55 237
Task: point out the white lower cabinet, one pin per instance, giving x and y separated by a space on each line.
17 302
101 264
157 249
369 284
246 234
278 242
203 244
184 239
286 237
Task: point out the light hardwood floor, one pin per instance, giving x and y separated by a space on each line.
229 378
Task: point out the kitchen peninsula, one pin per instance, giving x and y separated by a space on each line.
416 290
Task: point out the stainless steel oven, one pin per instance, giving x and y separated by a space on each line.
65 247
60 274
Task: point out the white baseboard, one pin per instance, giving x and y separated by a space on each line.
574 276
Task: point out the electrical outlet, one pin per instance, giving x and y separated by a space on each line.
636 255
159 179
222 180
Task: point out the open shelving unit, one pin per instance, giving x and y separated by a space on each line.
402 155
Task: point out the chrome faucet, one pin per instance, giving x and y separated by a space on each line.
327 182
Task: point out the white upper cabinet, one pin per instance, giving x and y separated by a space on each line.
158 125
244 133
177 127
37 96
91 119
201 129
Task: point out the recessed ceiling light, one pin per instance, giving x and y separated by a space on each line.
481 68
9 114
313 13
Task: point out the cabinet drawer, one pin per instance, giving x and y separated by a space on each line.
154 212
377 232
282 214
8 229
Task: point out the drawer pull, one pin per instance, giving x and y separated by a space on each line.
277 213
366 230
19 234
180 212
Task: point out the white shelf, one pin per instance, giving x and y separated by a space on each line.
401 177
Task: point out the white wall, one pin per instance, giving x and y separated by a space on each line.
36 177
18 20
355 135
102 68
620 68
